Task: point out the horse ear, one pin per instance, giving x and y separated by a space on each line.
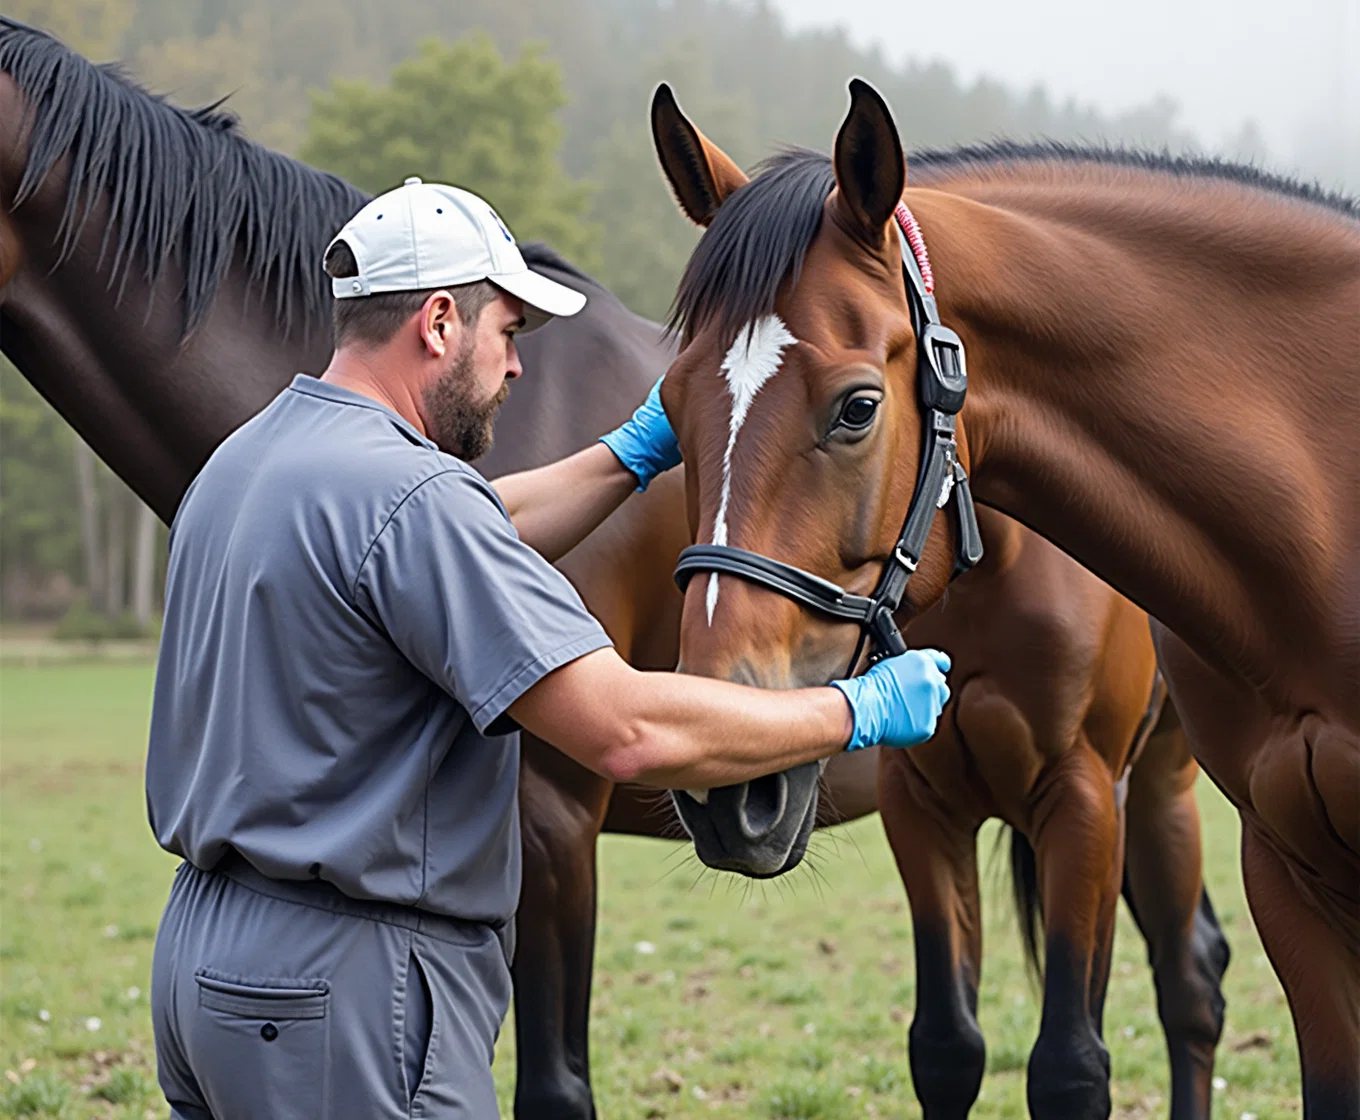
699 172
871 171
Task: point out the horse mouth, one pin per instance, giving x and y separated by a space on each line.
759 829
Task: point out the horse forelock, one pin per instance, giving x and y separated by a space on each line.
755 245
180 184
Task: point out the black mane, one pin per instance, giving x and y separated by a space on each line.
1000 152
181 184
760 235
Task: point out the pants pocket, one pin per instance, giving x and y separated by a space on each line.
260 1046
418 1028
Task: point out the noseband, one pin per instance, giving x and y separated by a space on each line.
942 381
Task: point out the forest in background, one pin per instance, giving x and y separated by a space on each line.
541 105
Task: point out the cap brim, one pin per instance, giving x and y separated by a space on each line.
543 298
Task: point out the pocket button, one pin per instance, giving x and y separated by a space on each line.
269 1032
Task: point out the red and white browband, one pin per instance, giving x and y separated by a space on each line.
907 220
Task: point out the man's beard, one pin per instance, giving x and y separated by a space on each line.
455 419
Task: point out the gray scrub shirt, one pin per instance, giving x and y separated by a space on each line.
349 613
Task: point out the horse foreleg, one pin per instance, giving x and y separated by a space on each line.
1106 916
937 859
1077 846
562 806
1317 967
1165 892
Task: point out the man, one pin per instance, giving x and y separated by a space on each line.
356 622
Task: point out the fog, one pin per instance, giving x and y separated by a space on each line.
1277 82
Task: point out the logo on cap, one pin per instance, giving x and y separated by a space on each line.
501 226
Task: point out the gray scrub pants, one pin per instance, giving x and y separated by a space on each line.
291 1001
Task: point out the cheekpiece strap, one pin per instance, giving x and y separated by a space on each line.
942 383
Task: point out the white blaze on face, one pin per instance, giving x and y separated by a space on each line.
753 359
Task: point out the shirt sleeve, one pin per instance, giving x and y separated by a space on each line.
467 602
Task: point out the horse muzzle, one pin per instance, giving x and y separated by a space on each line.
759 828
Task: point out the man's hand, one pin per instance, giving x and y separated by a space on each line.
645 444
899 700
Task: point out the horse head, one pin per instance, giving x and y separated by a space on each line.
794 398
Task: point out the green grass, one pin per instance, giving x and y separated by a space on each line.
783 1000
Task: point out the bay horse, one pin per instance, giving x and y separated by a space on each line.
1051 677
160 283
1163 379
1051 729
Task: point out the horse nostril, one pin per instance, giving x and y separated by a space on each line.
762 805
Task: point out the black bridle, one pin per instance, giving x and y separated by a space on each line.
942 381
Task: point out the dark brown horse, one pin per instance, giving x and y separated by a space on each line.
159 284
1164 382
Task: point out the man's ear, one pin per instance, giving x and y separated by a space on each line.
439 323
699 172
871 171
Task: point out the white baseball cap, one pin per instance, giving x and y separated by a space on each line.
429 235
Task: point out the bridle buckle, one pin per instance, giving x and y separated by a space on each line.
944 369
905 560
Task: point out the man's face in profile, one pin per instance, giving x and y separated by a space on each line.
461 404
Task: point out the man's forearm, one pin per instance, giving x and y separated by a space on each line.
678 731
554 508
699 733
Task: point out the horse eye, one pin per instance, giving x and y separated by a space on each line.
858 413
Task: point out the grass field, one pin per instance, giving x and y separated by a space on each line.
712 999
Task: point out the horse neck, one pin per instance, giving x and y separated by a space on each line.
109 351
1163 384
113 360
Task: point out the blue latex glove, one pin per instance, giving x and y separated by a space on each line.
897 702
645 444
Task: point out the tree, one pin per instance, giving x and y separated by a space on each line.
649 240
231 62
144 548
40 539
458 113
66 522
95 28
88 495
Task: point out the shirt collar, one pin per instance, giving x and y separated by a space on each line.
314 387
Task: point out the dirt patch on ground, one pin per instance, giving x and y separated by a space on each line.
63 777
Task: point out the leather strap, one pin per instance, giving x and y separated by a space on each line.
793 583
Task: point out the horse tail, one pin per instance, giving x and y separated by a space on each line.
1028 905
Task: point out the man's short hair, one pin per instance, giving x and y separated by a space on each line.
373 320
